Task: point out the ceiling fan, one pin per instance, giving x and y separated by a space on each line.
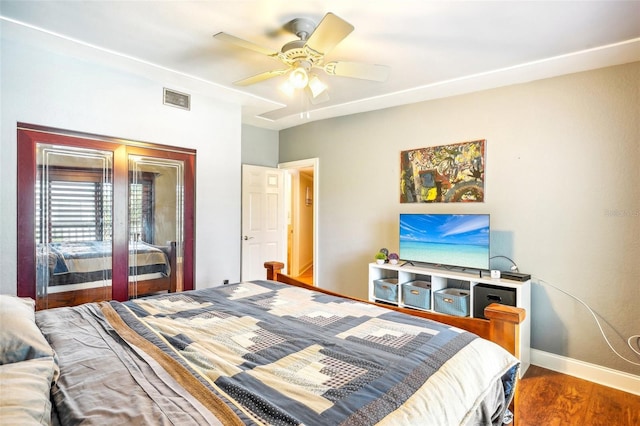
305 56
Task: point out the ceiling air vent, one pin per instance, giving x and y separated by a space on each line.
177 99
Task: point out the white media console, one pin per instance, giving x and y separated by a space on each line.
440 279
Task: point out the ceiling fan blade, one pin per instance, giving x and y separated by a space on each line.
228 38
329 32
260 77
373 72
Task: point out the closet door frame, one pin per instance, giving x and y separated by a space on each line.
30 135
188 160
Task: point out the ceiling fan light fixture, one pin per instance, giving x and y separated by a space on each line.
287 88
307 54
299 78
316 86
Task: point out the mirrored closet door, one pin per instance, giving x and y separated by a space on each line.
156 224
99 219
73 222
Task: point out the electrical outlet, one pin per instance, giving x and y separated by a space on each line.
225 282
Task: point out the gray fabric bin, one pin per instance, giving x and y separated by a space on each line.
386 289
417 294
452 301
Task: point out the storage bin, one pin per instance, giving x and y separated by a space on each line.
452 301
386 289
417 294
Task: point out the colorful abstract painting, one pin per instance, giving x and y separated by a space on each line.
443 174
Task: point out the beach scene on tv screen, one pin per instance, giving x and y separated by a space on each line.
455 240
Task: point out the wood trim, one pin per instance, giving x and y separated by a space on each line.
189 242
75 297
26 250
120 234
504 326
46 130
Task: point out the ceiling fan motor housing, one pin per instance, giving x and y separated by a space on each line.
302 27
293 51
296 51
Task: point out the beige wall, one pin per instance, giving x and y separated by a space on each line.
259 146
562 180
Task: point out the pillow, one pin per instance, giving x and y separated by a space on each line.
24 392
20 337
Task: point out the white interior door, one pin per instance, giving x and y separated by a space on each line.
263 220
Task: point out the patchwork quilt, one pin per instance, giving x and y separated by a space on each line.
276 354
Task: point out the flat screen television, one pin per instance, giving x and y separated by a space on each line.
459 240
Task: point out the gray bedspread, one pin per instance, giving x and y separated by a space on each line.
108 380
266 353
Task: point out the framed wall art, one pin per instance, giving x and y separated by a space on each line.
443 174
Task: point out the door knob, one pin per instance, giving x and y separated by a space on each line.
247 238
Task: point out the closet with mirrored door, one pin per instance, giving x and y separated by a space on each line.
101 218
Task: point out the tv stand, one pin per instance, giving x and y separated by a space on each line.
441 278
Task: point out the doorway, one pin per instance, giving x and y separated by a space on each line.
301 211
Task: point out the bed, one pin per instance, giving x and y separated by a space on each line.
259 352
78 271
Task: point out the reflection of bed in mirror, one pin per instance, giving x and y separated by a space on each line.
80 272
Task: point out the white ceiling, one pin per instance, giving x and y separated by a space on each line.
434 48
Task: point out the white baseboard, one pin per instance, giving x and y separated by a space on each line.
594 373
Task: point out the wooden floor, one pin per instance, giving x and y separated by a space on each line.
306 277
547 398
